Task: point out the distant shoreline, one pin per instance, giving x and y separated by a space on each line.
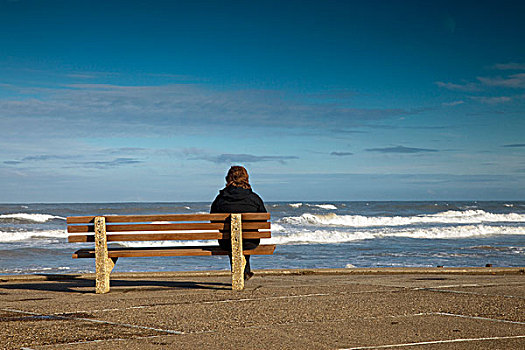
278 201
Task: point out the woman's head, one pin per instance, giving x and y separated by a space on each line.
238 176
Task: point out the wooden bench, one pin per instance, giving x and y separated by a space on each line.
125 228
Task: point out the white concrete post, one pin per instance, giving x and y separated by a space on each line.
238 260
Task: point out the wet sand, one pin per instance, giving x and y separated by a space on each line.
434 308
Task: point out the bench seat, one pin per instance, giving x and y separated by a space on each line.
266 249
167 227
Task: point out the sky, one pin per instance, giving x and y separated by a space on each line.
116 101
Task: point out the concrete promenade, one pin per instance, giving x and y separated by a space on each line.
428 308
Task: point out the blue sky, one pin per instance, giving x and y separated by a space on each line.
320 100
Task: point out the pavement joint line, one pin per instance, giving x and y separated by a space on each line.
365 318
189 303
284 324
168 331
269 298
479 318
432 289
476 285
480 285
434 342
95 341
215 302
65 314
314 321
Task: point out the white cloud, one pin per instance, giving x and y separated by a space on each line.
169 109
492 100
241 158
458 87
453 103
509 66
511 81
81 76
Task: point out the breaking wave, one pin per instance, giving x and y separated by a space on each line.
320 236
13 236
325 206
447 217
28 218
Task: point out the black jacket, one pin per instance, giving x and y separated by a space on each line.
233 199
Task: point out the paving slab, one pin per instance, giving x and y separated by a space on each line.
287 309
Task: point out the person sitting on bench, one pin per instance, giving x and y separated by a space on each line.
238 197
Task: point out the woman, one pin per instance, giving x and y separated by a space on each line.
237 197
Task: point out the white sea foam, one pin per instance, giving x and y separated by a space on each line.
295 205
305 236
448 217
326 206
318 237
25 235
35 270
31 217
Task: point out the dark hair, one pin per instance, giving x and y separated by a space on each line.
238 176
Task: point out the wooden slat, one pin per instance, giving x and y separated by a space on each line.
167 217
264 225
167 236
266 249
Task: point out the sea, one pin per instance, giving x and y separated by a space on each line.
33 237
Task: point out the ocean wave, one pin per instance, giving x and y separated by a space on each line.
295 205
447 217
26 235
325 206
29 218
338 236
499 248
31 270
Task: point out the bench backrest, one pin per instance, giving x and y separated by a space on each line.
168 227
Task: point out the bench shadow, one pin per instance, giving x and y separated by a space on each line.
73 284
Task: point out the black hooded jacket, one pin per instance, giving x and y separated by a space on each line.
233 199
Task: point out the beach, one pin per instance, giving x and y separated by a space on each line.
427 308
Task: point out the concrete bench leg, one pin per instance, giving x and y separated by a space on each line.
238 260
103 264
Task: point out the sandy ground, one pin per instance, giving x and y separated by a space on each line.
434 308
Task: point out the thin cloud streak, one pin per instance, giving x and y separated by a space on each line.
401 149
341 154
241 158
163 109
512 81
466 87
514 145
509 66
453 103
492 100
37 158
516 81
117 162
